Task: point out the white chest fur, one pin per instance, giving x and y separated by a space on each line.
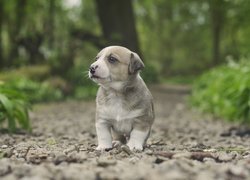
116 111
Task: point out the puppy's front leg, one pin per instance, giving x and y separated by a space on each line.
103 130
138 138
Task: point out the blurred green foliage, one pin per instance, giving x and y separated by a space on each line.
46 48
13 109
36 83
84 88
35 91
225 91
175 37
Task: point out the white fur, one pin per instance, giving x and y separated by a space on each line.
117 85
137 139
102 71
122 118
103 135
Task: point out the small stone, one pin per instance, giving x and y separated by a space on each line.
4 170
73 157
134 159
51 141
4 146
238 171
210 150
8 152
9 141
235 155
60 158
209 160
70 149
104 162
22 171
36 156
21 150
126 149
159 160
149 152
224 157
82 156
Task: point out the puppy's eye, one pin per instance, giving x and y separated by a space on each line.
112 59
96 58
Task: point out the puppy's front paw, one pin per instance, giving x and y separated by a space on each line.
116 143
134 147
101 147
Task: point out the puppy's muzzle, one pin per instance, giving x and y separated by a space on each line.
92 69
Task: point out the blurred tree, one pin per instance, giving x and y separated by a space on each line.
1 41
15 30
118 23
165 23
217 11
176 37
51 21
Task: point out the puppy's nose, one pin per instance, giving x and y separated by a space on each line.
92 69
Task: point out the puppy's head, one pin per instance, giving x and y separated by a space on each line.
115 64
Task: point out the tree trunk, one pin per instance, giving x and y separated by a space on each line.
52 7
217 21
1 42
118 23
14 36
166 45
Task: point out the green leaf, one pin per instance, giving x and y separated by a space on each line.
11 123
7 104
21 114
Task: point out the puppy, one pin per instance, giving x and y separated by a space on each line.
124 112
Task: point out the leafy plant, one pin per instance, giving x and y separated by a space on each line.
225 91
36 91
13 109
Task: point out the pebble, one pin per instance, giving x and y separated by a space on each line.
134 159
60 158
104 162
70 149
225 157
149 152
238 171
22 171
5 169
8 152
9 141
209 160
4 146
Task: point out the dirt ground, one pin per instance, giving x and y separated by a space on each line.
182 145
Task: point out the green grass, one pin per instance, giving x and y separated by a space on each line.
13 109
225 91
35 91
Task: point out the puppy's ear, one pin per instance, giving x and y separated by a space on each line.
135 64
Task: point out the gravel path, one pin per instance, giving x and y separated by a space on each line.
183 145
